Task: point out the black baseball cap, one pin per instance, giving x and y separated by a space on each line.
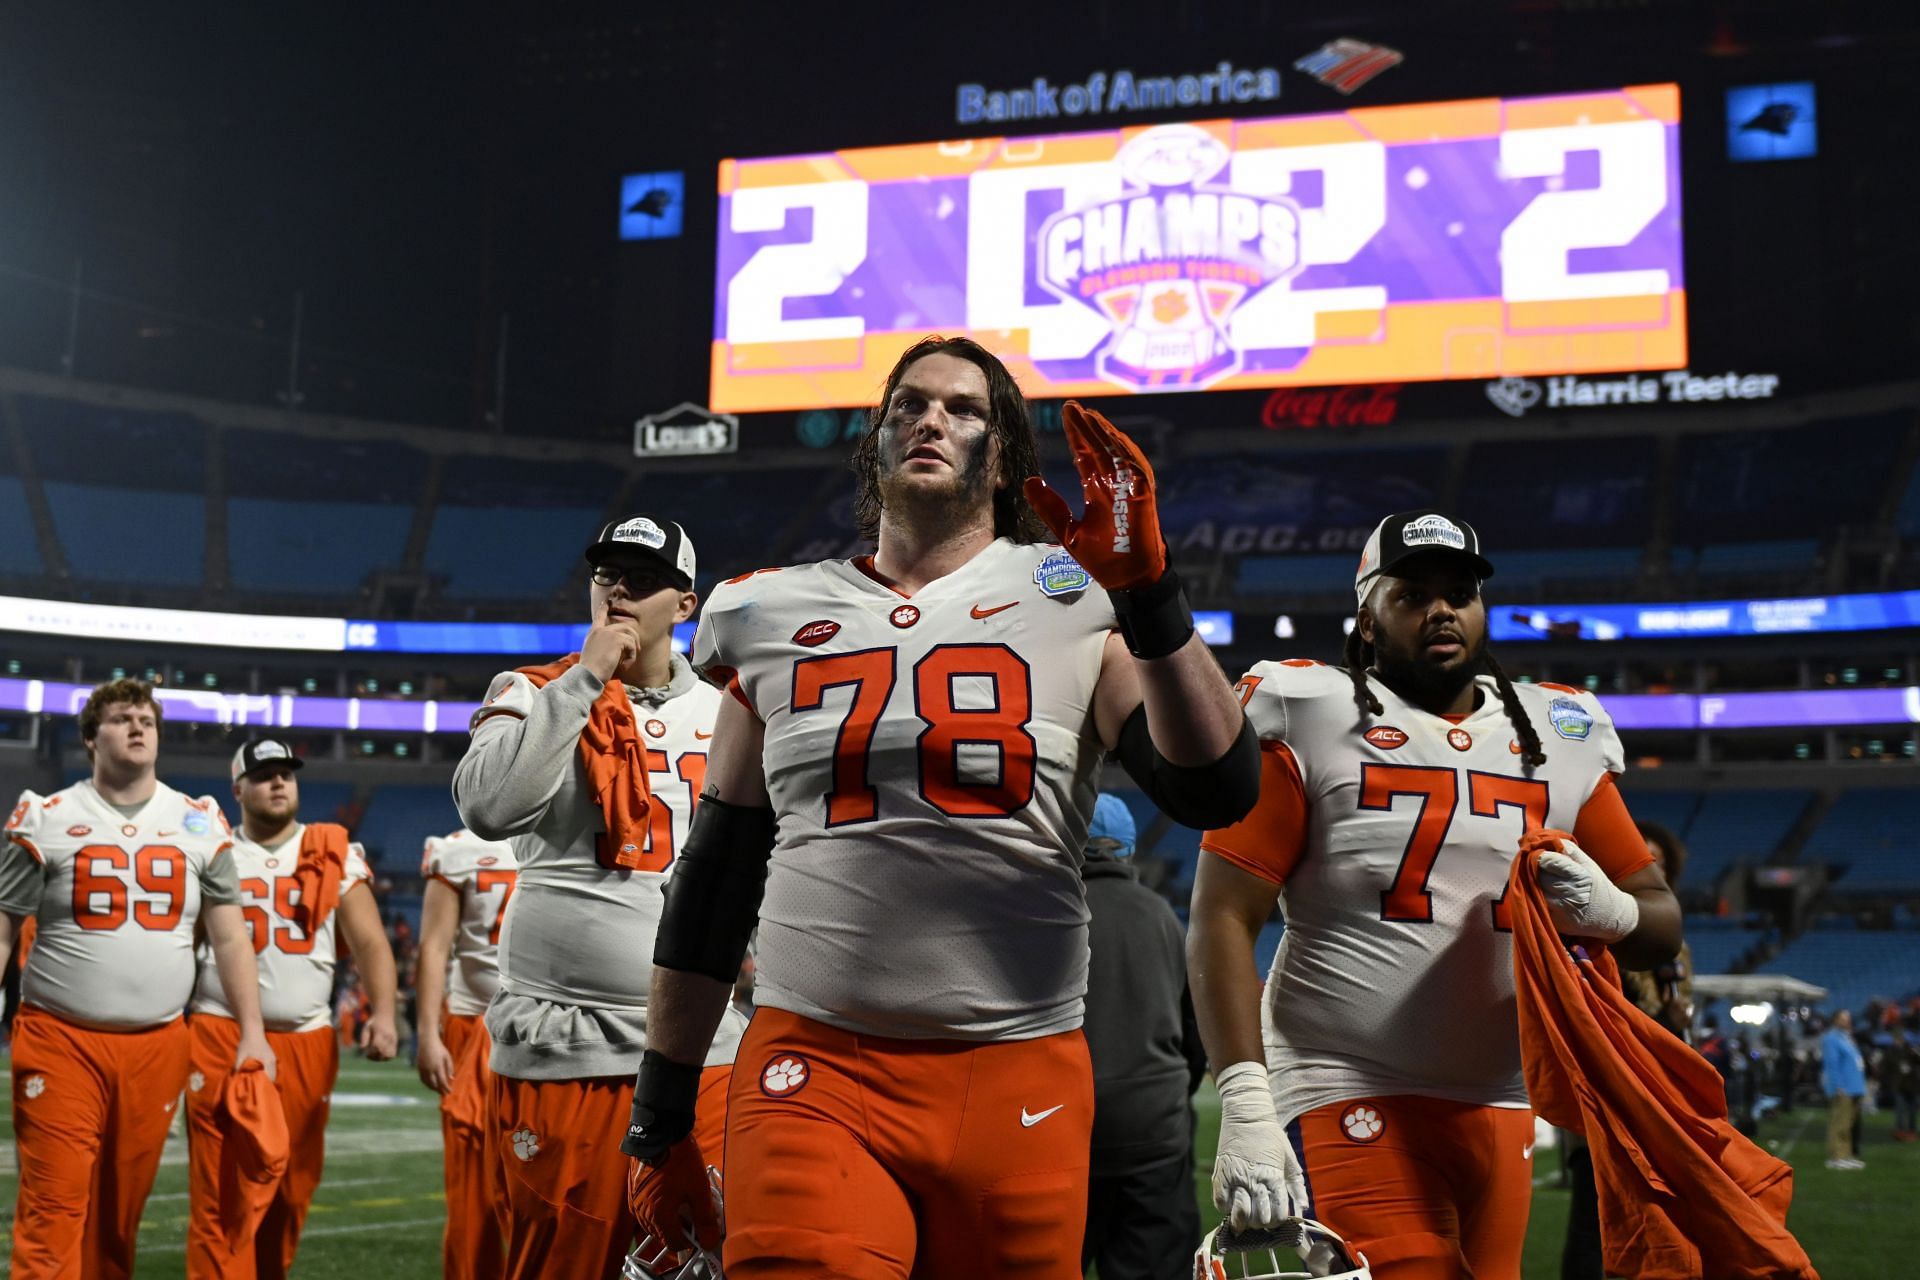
635 538
1406 534
261 753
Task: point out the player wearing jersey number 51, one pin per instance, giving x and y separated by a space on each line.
923 729
1394 796
305 890
590 766
119 871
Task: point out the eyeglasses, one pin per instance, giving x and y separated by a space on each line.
641 579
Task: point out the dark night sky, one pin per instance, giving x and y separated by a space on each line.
418 174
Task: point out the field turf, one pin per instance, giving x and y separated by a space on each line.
379 1210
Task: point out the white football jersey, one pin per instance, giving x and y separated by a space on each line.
1395 973
482 872
296 968
933 764
120 902
581 933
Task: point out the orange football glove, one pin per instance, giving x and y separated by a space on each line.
672 1200
1117 539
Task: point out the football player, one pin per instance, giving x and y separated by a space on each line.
1394 795
469 882
907 762
590 767
305 888
118 870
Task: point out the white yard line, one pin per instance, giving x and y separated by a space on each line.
344 1229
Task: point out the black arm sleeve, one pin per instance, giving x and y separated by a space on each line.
1204 796
713 896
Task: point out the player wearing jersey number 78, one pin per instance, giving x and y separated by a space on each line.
907 769
1394 796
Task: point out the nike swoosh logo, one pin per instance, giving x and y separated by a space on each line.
164 834
1027 1120
702 736
978 612
1528 1153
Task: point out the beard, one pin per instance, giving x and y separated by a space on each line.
1409 673
969 486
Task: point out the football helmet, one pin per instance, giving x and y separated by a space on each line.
1227 1254
651 1259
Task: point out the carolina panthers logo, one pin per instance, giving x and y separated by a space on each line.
786 1074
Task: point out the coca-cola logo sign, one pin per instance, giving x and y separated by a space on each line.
1295 408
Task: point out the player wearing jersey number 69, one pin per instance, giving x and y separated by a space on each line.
1394 796
924 727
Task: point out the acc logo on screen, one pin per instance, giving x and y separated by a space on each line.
1169 260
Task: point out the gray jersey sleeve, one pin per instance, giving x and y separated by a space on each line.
21 880
220 881
524 740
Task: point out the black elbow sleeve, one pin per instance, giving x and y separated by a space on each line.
713 896
1217 794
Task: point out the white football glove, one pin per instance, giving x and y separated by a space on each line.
1257 1181
1583 902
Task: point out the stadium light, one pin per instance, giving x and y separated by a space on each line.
1751 1015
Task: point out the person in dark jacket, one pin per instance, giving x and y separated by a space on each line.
1143 1219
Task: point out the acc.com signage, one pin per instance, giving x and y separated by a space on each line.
1465 240
1515 396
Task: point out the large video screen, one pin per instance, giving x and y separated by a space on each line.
1473 239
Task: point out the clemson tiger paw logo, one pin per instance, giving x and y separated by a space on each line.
784 1075
526 1144
1363 1124
196 1082
35 1086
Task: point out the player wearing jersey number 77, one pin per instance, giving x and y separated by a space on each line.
907 769
1394 796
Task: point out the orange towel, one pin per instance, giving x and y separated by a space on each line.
322 865
1682 1194
253 1150
616 765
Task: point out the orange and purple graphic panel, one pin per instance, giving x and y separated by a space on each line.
1474 239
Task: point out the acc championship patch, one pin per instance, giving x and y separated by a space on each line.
195 822
1570 719
1060 574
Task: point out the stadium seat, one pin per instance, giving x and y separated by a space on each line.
81 443
398 821
1792 483
262 464
1289 576
1739 826
1716 949
323 548
1519 494
19 545
138 537
1531 571
1869 834
494 553
1748 559
1855 965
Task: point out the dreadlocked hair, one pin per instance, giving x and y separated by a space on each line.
1531 754
1359 656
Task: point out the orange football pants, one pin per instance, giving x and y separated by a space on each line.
564 1172
1427 1189
90 1116
470 1248
308 1063
879 1159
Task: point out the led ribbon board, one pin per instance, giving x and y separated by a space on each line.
1478 239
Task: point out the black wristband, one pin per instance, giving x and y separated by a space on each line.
1155 620
663 1098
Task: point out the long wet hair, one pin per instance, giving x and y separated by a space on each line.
1359 657
1007 418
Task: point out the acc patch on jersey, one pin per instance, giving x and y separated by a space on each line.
1570 720
1060 574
